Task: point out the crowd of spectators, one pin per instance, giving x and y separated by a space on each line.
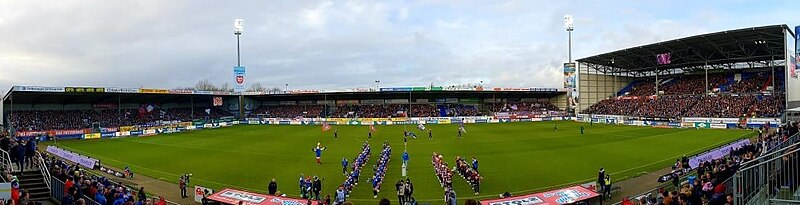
380 169
643 88
721 106
767 106
664 106
691 106
80 119
753 84
524 107
713 176
423 110
693 84
290 111
80 187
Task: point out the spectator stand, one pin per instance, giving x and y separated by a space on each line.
59 189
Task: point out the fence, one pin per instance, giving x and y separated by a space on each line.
774 178
45 171
776 150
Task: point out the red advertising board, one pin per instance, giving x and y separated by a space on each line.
561 196
230 196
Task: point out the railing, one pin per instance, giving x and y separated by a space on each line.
774 151
6 160
45 171
775 178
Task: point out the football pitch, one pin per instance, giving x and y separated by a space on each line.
515 157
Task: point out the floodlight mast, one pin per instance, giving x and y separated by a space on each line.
238 28
569 24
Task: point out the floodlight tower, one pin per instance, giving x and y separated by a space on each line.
570 26
238 28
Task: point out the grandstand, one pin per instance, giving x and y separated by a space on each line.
36 108
730 74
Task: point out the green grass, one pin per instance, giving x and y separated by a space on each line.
516 157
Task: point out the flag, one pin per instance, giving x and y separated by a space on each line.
372 128
325 127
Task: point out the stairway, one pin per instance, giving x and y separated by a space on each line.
32 180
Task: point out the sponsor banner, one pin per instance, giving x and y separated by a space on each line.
70 136
126 128
568 195
85 161
180 91
711 120
200 192
444 121
149 132
525 120
156 91
124 133
231 196
251 122
30 133
238 79
200 126
702 125
771 121
91 136
39 89
674 124
84 90
203 92
122 90
136 132
108 134
181 129
109 129
400 89
719 126
717 153
58 133
591 186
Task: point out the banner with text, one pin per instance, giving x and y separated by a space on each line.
568 195
85 161
231 196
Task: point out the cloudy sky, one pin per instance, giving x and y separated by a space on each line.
340 44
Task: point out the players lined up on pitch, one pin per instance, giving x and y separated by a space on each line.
380 169
358 164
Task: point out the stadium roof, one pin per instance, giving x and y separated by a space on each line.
56 96
726 47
